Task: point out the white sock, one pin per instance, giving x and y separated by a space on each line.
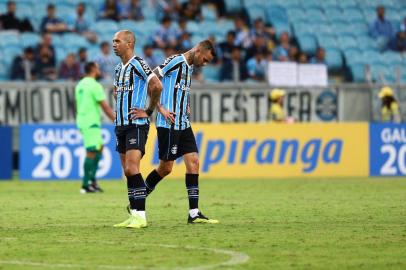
193 212
139 213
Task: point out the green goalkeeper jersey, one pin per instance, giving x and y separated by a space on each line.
88 94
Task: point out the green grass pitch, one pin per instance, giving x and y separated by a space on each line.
265 224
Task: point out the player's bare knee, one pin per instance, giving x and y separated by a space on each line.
164 170
193 166
130 170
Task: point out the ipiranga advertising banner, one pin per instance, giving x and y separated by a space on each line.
274 150
229 151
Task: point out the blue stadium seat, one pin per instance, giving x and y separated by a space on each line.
316 15
225 25
255 12
209 14
93 52
193 27
73 42
9 53
392 58
105 26
307 43
302 27
24 10
9 39
353 15
380 73
159 54
128 24
295 15
276 14
146 27
367 43
334 15
353 56
358 72
4 72
282 27
327 41
57 40
29 39
211 73
373 57
61 54
347 41
149 13
359 28
334 59
233 5
347 4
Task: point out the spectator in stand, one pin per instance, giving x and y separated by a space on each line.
259 29
150 58
227 46
257 45
165 35
233 69
80 24
44 67
9 21
302 59
182 24
220 6
70 68
281 52
403 25
51 24
23 66
111 10
320 57
169 51
192 10
106 60
293 54
242 36
46 42
82 60
256 66
134 10
167 8
184 43
398 43
381 29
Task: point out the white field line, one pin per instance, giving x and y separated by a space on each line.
235 258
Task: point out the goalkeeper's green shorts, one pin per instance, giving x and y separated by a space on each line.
92 138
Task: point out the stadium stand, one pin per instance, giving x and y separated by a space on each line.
342 28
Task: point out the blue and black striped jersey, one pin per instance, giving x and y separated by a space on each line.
176 79
131 82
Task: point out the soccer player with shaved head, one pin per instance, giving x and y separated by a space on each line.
133 81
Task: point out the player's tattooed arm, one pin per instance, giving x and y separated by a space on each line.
154 92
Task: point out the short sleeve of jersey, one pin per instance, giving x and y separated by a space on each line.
98 93
143 69
169 63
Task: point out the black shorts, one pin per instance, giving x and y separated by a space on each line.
131 137
175 143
